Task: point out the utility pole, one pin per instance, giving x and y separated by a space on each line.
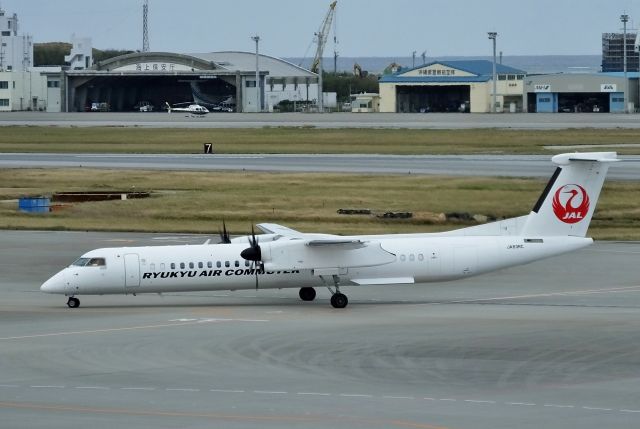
413 63
492 36
256 39
625 18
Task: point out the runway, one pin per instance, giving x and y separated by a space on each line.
457 165
552 344
531 121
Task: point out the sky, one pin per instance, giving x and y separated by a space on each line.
365 28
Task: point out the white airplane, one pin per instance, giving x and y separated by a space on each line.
192 109
285 258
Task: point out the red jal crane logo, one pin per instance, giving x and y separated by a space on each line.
571 203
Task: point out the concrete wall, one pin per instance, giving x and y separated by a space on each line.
277 92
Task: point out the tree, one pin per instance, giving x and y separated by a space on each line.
53 53
344 84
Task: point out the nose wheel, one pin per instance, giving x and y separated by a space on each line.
73 302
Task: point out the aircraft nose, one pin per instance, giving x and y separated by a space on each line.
55 284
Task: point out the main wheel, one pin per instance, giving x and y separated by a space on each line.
73 302
307 293
339 300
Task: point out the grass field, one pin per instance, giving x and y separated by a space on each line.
306 140
197 202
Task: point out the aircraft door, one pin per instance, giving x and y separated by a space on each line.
465 260
131 270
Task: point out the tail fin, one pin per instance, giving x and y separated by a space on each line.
569 200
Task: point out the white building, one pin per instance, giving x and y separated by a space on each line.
81 55
16 51
23 91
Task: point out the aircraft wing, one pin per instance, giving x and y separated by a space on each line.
330 254
274 228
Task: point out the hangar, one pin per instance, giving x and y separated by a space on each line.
576 93
219 78
452 86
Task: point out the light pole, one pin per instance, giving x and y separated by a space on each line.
256 39
624 18
493 35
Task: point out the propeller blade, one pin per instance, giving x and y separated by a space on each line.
224 234
253 252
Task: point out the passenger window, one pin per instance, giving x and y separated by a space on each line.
182 265
420 257
227 264
209 264
191 265
412 257
237 264
153 267
97 262
162 266
247 263
218 264
200 265
173 266
403 258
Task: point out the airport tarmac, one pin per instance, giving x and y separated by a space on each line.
457 165
328 120
554 344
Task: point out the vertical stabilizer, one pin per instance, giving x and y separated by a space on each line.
567 204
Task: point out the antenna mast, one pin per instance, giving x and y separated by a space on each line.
145 28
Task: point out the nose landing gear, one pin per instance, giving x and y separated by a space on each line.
73 302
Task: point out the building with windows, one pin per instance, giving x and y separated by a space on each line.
23 91
613 52
16 51
452 86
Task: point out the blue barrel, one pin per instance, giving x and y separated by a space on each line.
34 204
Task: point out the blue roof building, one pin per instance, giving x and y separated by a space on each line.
452 86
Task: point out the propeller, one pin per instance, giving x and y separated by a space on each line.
224 234
253 253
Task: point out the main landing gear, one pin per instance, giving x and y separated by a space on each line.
338 300
73 302
307 294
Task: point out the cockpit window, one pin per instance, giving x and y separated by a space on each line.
89 262
97 262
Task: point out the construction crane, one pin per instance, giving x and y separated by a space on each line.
321 39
